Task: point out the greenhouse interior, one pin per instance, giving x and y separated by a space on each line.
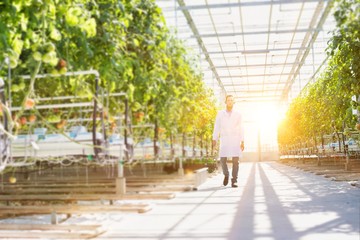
140 102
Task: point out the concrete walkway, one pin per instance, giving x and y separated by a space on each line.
273 201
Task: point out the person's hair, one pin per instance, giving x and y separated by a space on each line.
227 96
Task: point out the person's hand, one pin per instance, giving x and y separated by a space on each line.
214 143
242 147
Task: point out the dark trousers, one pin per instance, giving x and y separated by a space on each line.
235 167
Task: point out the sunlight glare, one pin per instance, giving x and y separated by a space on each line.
268 116
261 125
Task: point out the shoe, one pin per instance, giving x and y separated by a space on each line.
234 185
226 180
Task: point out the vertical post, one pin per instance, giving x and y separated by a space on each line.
95 143
3 101
181 169
347 163
172 152
194 143
259 145
120 182
4 146
207 146
121 160
127 131
201 145
322 151
212 147
103 117
339 140
54 218
183 145
346 152
156 138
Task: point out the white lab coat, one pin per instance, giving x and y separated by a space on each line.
230 128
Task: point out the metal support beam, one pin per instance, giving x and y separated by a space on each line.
259 51
233 34
77 73
257 75
323 17
274 98
257 65
52 106
259 91
253 84
200 42
242 4
256 96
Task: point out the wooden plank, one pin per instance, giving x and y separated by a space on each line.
87 197
44 190
160 189
139 188
96 182
57 185
70 209
159 184
96 185
47 227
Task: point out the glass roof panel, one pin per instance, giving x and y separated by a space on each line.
256 50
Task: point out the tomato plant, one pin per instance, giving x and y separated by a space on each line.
126 41
325 106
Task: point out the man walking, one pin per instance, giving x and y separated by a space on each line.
229 126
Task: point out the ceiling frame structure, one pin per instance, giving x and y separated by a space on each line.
266 50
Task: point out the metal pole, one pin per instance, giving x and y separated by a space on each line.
120 180
96 149
121 158
259 144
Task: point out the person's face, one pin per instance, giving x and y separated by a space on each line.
229 102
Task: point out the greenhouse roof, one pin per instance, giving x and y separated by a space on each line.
255 50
